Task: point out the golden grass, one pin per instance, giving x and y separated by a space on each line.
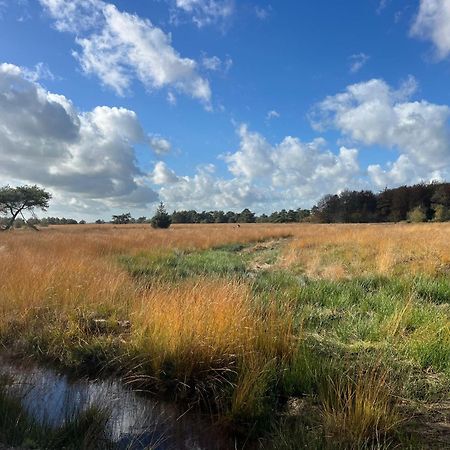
207 324
345 250
75 265
358 411
210 330
54 284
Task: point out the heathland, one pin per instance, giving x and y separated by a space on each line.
290 336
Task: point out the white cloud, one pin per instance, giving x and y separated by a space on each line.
77 16
433 24
160 145
206 191
118 47
163 175
41 71
358 61
215 64
264 177
212 63
171 98
88 156
272 114
305 170
372 113
253 159
204 12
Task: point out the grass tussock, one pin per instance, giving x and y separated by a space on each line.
358 411
206 322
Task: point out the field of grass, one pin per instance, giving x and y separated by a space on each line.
292 336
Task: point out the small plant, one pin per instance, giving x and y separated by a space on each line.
161 219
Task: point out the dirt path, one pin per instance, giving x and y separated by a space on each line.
265 254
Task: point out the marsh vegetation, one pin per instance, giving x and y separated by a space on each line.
288 336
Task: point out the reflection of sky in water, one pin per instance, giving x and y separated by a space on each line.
53 398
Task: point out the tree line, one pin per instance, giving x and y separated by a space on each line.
418 203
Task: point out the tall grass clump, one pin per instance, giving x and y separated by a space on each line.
358 410
207 335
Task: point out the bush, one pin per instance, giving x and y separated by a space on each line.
417 215
161 219
441 213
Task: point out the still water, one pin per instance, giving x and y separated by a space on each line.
136 421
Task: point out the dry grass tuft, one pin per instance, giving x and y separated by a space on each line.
359 411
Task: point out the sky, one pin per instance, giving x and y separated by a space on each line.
114 106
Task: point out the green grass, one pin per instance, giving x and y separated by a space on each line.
148 267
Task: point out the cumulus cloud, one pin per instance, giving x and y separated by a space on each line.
432 23
374 114
254 157
163 175
119 47
263 176
358 61
204 12
206 190
307 170
87 156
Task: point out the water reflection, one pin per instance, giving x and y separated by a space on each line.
136 421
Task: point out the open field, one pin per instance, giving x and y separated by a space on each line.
291 336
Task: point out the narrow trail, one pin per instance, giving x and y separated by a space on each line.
265 255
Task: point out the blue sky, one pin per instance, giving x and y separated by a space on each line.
221 104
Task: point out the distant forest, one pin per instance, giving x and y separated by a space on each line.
418 203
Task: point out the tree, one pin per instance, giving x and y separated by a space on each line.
121 219
246 216
231 217
16 201
441 195
161 219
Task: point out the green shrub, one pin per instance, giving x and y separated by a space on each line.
417 215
